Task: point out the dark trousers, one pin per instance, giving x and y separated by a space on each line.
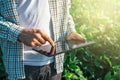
3 78
46 72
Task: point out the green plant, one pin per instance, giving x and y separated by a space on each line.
98 20
72 70
95 67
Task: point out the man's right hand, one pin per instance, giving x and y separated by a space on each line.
34 37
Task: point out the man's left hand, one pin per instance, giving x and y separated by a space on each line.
76 38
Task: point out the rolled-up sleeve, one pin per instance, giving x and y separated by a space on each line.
71 25
8 30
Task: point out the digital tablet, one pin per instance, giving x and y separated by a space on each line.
47 49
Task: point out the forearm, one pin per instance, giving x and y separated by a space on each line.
8 30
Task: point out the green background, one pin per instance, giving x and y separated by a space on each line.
99 21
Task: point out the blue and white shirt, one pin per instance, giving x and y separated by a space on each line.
10 28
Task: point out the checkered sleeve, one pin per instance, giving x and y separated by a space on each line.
8 30
71 25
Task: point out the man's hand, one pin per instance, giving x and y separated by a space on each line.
34 37
76 38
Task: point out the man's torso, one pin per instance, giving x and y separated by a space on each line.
13 52
35 14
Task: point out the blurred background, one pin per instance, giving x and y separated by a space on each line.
99 21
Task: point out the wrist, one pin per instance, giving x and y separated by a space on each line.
19 36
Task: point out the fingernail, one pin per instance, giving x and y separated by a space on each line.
53 46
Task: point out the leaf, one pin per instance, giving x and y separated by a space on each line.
108 60
108 76
116 67
97 63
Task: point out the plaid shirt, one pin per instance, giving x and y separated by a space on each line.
12 50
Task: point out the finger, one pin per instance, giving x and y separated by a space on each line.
76 37
39 38
34 30
36 42
32 44
82 39
46 37
52 51
49 40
